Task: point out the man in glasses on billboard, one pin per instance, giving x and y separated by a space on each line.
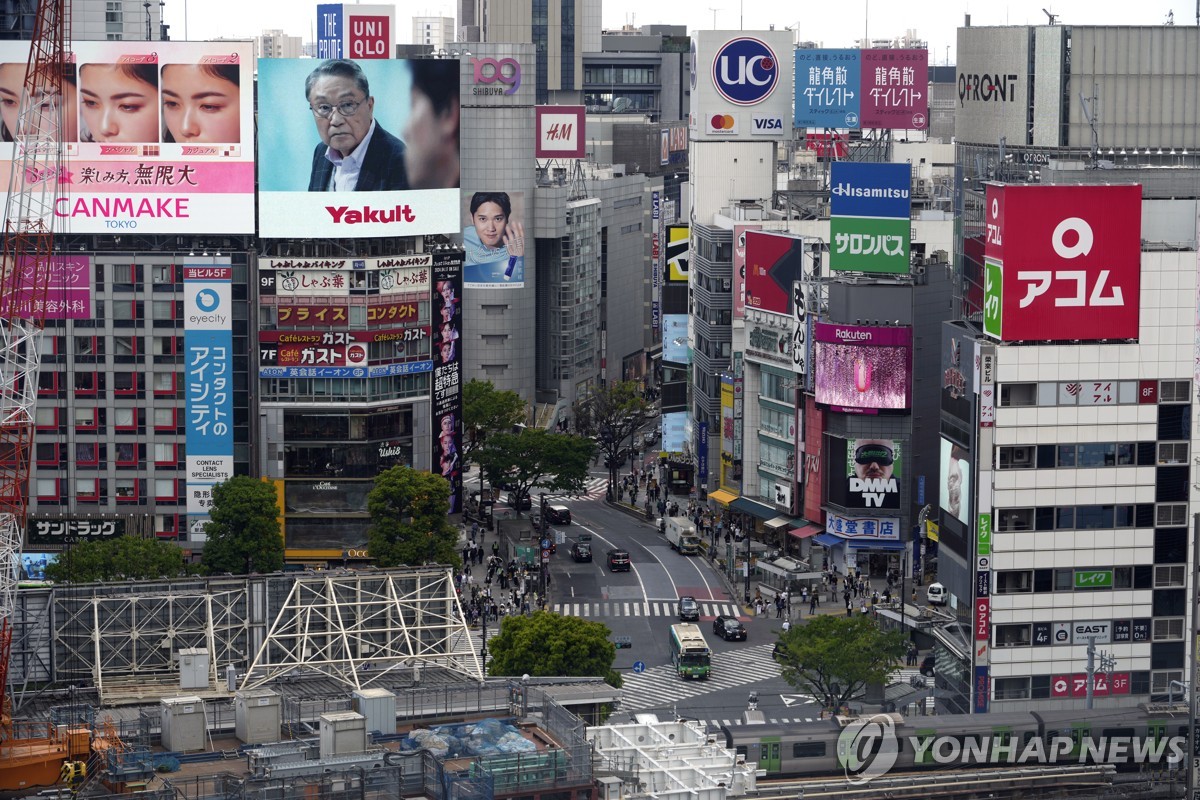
355 154
872 482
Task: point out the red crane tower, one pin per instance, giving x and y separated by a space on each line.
29 221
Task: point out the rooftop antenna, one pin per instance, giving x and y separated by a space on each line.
1089 113
714 10
1053 17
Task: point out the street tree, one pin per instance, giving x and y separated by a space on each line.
833 658
117 559
547 644
243 536
487 410
534 457
409 519
612 415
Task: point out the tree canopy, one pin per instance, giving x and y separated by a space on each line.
612 414
486 411
547 644
409 519
836 657
116 559
556 461
243 536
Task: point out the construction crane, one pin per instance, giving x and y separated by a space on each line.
29 221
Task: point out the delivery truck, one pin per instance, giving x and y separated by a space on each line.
681 535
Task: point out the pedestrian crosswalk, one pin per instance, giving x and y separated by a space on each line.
592 489
713 724
608 609
659 685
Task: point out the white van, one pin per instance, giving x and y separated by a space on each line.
936 594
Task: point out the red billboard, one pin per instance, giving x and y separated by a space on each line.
1062 262
895 89
773 262
1075 684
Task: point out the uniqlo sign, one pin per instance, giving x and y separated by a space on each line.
368 36
1062 262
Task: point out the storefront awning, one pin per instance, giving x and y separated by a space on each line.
723 497
752 508
778 522
874 544
805 531
828 540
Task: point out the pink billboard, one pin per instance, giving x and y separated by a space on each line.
739 268
862 369
68 289
894 89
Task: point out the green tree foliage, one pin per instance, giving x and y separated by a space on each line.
547 644
243 537
556 461
487 410
612 414
836 657
118 558
409 522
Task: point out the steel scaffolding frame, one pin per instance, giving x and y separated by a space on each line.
358 627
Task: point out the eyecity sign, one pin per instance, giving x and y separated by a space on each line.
868 748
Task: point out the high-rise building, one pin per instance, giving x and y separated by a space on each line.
277 44
437 32
112 20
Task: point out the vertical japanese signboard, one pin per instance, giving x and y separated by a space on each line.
895 89
655 261
827 88
208 373
446 400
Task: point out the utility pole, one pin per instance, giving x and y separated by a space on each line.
1107 664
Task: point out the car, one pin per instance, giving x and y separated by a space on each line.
618 561
689 609
526 502
927 666
581 551
558 515
649 438
729 628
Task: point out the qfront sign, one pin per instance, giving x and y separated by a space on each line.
1062 262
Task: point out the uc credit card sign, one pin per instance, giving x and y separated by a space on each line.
742 85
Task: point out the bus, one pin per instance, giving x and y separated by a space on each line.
689 652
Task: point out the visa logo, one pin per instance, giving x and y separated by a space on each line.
763 124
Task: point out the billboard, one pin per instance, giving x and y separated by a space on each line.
208 377
954 496
1062 262
678 252
560 132
63 531
862 369
992 85
870 210
739 268
494 240
326 171
656 222
741 86
773 262
446 387
873 467
347 354
729 477
768 339
355 31
67 293
146 154
862 89
675 339
674 431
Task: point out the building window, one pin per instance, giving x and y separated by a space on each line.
1018 394
163 273
125 419
1172 452
125 383
87 488
86 419
127 490
1014 519
164 384
1168 629
1174 391
87 454
46 454
1169 575
1170 515
164 454
127 454
164 419
1160 680
1012 689
1014 581
46 419
1013 636
46 489
1017 457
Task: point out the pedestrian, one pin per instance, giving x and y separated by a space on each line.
812 605
787 626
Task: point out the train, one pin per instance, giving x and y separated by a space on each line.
1132 739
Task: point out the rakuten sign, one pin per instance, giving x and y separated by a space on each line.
1062 262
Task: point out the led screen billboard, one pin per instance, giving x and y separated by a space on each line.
773 262
739 268
954 494
675 339
861 368
494 240
674 431
873 469
158 135
446 386
360 149
1062 262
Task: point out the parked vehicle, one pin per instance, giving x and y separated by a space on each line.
681 535
618 561
729 628
936 595
581 551
689 609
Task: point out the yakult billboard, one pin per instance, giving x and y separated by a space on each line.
1062 262
158 135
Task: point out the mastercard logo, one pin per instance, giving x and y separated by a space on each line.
722 122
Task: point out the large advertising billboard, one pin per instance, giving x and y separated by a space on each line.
954 495
675 339
773 262
873 469
870 227
65 291
355 31
992 85
674 431
1062 262
862 89
158 136
446 389
678 253
379 139
208 376
560 132
739 268
741 85
862 369
494 240
730 476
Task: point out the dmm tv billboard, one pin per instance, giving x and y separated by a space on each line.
325 170
862 89
773 262
1062 262
158 136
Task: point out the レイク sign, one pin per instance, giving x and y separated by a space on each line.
1062 262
